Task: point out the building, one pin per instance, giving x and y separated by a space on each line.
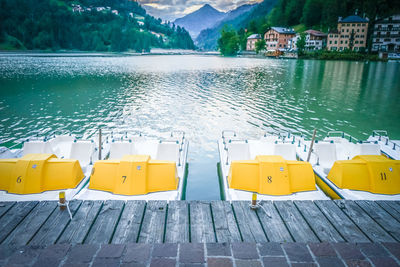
315 40
351 34
277 38
386 36
251 42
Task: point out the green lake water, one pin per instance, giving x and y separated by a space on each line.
201 95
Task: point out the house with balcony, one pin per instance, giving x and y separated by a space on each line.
351 34
315 40
251 42
277 38
386 36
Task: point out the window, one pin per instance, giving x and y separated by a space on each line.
341 42
335 42
353 24
376 40
330 42
345 42
362 30
358 24
361 42
356 42
358 30
347 30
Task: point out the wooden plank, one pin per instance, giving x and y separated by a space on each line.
129 225
363 221
225 225
31 224
153 222
297 226
387 205
14 216
5 206
274 227
318 222
55 225
349 231
201 225
379 215
77 229
177 229
105 223
248 222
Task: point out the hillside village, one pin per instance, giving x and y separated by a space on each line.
351 34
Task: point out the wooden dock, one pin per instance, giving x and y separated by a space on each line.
117 222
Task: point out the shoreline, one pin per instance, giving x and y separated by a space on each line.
72 53
178 52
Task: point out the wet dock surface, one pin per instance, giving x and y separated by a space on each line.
120 222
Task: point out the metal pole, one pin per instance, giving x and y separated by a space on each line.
99 143
311 146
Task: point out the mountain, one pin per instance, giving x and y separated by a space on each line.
238 18
203 18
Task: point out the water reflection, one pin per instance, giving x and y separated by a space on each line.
200 95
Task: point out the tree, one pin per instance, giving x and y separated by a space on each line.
301 43
228 43
260 45
312 12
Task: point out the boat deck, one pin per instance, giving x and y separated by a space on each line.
119 222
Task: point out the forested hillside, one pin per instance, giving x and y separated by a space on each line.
325 13
88 25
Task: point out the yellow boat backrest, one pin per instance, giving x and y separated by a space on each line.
371 173
36 173
134 175
271 175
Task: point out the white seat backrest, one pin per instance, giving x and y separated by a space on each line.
287 151
366 149
82 151
238 151
61 145
120 149
6 153
269 138
260 148
36 147
168 151
326 153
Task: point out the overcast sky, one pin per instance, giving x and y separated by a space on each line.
172 9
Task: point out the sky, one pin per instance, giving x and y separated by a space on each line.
173 9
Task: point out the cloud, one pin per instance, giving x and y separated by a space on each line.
172 9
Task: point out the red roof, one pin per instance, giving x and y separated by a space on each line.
316 33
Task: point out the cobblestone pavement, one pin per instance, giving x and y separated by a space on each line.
212 254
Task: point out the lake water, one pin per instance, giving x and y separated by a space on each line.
201 95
